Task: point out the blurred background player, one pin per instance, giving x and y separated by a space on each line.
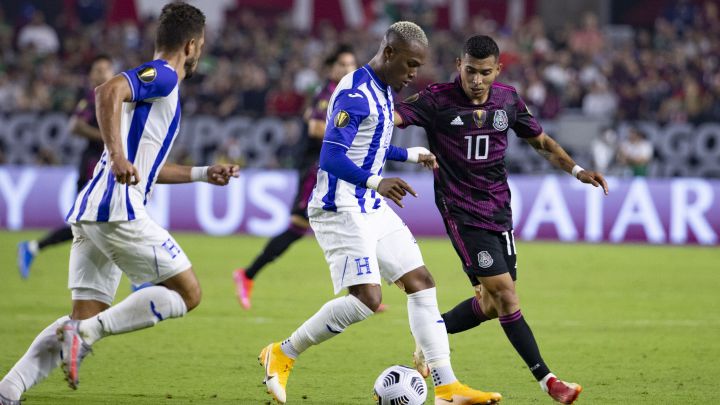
139 117
341 62
82 123
466 123
362 238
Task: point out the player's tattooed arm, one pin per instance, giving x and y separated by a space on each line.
109 98
558 157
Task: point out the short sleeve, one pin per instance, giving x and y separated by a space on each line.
151 80
418 109
526 126
349 110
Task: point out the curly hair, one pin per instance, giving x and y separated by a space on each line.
179 23
408 32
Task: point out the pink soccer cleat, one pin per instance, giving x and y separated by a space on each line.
243 287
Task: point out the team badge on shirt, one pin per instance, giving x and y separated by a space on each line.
342 118
479 117
147 74
500 120
322 105
484 259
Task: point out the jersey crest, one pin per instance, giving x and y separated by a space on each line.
484 259
413 98
147 74
479 117
500 120
342 118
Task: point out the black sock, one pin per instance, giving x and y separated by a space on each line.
521 337
59 235
274 248
466 315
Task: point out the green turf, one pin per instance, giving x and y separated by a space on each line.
632 324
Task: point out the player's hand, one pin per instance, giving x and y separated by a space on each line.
395 189
221 174
124 171
594 178
428 160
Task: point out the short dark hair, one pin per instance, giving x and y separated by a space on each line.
481 47
339 50
179 23
100 57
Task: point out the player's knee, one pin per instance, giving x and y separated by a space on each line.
504 300
417 280
371 298
192 297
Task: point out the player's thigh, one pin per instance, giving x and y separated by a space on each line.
92 275
349 245
143 250
397 250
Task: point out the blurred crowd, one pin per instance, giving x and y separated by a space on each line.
256 65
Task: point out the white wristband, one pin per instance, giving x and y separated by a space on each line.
373 182
199 173
415 152
576 170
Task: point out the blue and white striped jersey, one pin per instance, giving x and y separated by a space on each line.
148 127
360 119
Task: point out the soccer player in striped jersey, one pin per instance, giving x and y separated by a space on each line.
139 115
466 123
339 63
362 238
83 123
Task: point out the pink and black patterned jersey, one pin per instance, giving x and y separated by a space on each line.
470 142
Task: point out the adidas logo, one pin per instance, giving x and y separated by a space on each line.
457 121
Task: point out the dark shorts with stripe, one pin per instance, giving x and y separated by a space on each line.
484 253
306 183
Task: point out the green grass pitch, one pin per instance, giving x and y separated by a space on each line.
633 324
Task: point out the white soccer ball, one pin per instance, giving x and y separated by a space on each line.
400 385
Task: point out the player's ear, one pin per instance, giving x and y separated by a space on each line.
499 67
458 63
388 52
190 47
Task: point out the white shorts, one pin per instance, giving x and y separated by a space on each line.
141 249
364 248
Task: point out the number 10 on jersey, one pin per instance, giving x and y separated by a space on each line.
481 145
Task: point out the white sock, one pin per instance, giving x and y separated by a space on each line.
41 358
33 247
142 309
543 382
428 328
330 320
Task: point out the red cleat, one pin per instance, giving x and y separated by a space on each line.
243 287
563 392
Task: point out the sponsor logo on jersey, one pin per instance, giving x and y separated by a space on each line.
147 74
413 98
484 259
500 120
479 117
342 118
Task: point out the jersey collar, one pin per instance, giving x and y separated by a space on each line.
375 77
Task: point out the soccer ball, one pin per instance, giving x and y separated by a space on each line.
400 385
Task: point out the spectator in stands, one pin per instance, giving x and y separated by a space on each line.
636 152
604 150
600 102
39 36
